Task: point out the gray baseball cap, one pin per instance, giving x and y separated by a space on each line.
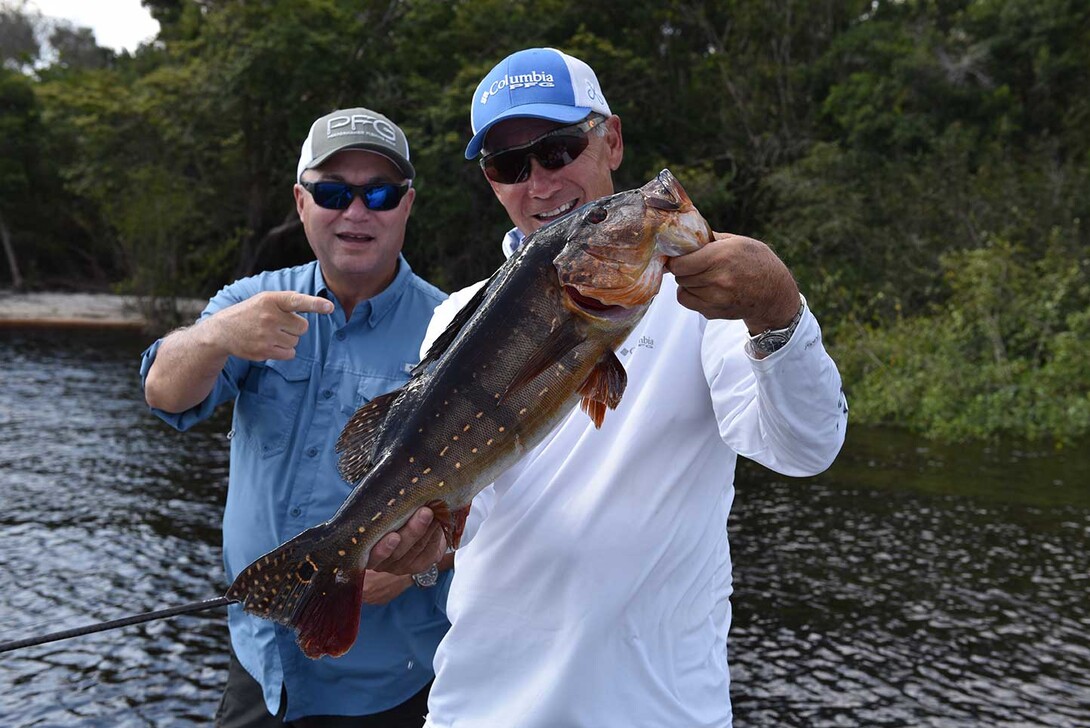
357 128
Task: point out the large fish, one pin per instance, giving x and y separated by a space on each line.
535 340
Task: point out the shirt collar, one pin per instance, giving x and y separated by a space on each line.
376 307
511 241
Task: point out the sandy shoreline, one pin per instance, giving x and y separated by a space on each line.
80 310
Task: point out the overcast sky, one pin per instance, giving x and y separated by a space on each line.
117 24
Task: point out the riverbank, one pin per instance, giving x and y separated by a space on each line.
105 310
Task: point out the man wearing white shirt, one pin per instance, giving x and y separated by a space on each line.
592 585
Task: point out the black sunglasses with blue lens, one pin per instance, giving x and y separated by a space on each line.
378 196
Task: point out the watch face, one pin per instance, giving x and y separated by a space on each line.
771 342
427 578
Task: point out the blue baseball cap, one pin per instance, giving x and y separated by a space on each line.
540 83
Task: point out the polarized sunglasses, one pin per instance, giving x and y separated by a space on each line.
558 148
379 196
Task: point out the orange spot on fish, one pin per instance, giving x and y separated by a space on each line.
376 517
444 451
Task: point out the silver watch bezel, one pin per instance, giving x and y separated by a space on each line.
427 579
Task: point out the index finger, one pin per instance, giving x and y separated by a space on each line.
293 301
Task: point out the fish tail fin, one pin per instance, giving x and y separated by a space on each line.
298 586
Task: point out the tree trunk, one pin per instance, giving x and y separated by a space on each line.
9 251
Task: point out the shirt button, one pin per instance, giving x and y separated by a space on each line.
339 336
296 511
327 393
312 452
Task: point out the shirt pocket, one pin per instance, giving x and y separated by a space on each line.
270 403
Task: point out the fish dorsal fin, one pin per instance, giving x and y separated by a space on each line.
359 439
558 343
603 388
450 333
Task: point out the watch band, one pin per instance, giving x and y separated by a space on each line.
770 341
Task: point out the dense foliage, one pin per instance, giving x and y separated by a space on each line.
922 165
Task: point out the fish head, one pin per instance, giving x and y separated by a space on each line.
612 265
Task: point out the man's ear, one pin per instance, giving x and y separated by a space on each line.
615 141
300 198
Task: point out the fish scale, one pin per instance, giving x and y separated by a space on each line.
535 341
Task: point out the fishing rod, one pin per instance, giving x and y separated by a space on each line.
115 623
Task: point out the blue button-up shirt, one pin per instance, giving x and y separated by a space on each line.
284 479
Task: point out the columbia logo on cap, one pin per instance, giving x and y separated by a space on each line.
525 80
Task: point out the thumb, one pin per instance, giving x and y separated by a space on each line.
293 301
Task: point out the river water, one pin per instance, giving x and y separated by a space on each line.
911 585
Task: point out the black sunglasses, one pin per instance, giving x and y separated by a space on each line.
558 148
379 196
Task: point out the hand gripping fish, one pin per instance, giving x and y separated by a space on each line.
535 340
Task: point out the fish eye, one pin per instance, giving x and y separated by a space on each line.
596 215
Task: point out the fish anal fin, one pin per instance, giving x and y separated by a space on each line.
329 624
358 441
558 343
298 585
603 388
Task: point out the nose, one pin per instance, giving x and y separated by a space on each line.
356 210
541 182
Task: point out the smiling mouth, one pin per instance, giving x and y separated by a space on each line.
557 212
355 237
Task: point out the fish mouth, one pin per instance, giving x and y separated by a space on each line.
593 306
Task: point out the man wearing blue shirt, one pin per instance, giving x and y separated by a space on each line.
298 350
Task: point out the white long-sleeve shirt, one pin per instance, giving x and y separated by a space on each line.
592 587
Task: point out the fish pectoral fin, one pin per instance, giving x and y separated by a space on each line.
603 388
299 585
562 340
460 517
453 523
358 442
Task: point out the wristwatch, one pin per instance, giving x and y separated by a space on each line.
770 341
426 579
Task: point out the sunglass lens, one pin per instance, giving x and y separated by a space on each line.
559 151
332 195
381 197
508 168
